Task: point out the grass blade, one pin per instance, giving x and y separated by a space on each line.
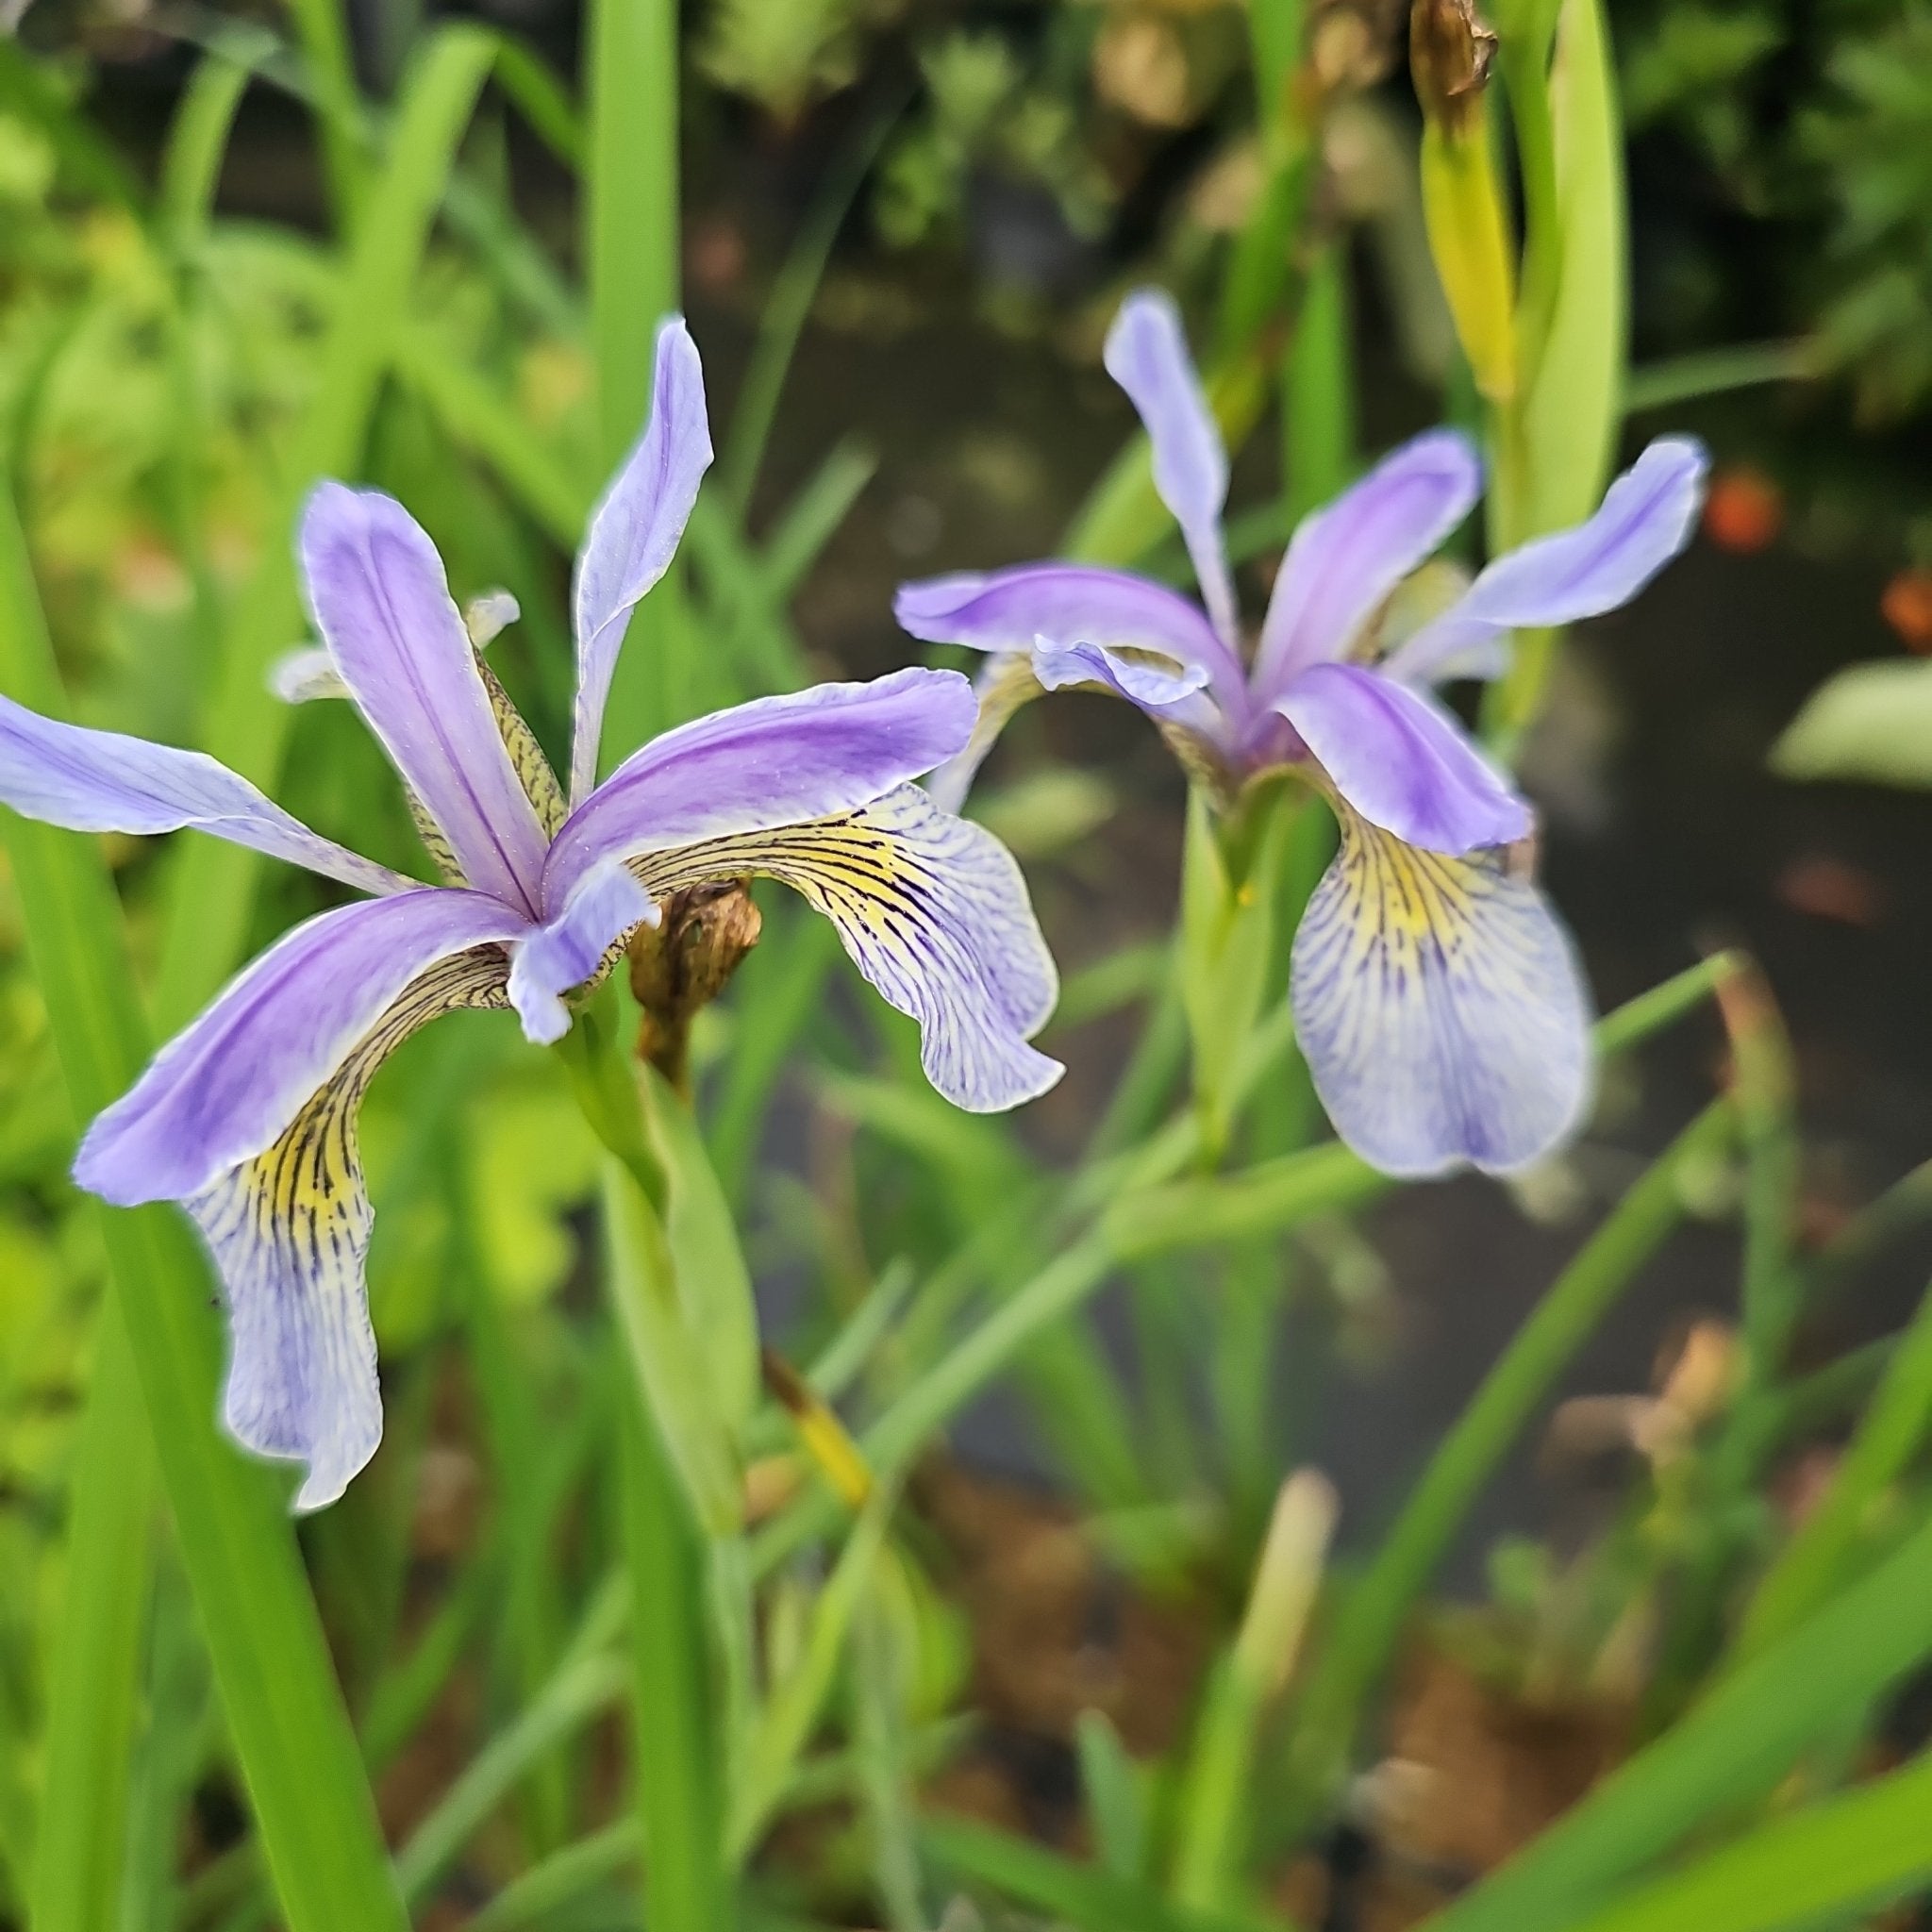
312 1806
94 1679
1732 1748
1849 1854
1083 1895
1889 1436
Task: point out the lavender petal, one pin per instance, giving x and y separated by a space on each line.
774 761
225 1087
608 905
1402 761
1440 1009
381 604
933 911
634 534
101 781
1344 560
1147 355
1646 518
288 1230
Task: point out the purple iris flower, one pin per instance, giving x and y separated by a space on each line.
248 1118
1438 1002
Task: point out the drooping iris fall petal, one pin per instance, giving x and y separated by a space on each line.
1441 1008
102 781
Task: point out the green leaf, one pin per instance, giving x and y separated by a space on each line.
1849 1855
1890 1433
1083 1895
1731 1749
1871 721
713 1284
1572 413
93 1689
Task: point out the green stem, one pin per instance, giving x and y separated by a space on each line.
94 1685
1365 1635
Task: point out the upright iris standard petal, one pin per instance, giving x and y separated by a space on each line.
224 1088
100 781
606 907
382 605
1401 762
1147 355
1440 1008
288 1230
933 910
1646 518
634 534
1344 560
774 762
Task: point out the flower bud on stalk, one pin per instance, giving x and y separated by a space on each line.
683 964
1450 51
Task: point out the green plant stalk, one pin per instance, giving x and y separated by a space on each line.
1849 1854
312 1807
1156 1215
95 1678
1732 1749
1367 1626
679 1769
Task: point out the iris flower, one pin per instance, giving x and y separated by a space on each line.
248 1118
1438 1002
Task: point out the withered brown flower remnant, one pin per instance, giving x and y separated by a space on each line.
680 967
1450 52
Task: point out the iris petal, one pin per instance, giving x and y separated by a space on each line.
382 605
229 1084
1147 355
571 949
101 781
932 909
1646 518
770 762
1402 761
289 1231
1441 1008
1346 558
634 534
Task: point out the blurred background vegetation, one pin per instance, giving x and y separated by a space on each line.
906 223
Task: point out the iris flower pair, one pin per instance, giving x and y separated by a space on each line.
249 1117
1437 1000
